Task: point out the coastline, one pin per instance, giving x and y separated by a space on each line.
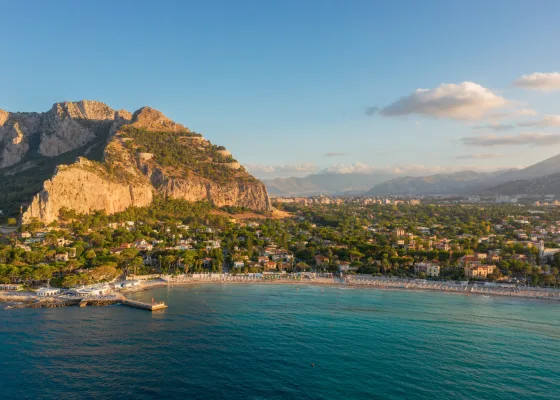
30 300
392 285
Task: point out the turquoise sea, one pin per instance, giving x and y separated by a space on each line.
285 342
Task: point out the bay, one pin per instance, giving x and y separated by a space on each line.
285 342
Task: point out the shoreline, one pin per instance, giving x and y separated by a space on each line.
530 294
30 300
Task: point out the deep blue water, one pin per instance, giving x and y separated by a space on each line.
261 341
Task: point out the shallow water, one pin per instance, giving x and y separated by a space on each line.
283 342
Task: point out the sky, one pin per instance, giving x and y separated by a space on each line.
296 87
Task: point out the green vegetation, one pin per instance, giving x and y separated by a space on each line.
180 153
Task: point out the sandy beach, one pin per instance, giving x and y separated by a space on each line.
29 299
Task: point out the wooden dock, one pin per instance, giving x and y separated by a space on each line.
146 306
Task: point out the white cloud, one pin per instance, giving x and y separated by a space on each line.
495 127
463 101
525 138
269 171
479 156
547 120
523 112
543 81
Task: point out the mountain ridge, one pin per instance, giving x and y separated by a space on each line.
85 156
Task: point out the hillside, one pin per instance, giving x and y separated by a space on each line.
439 184
467 182
549 184
85 156
328 183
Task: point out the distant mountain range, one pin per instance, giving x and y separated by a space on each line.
548 184
470 182
541 178
328 183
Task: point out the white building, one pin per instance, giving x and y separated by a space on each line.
46 292
10 286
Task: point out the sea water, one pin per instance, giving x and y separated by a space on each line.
285 342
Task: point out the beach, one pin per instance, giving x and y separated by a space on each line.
29 299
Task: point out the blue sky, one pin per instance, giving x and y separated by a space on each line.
285 84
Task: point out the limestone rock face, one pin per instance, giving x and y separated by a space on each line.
84 187
68 126
153 120
65 127
16 130
251 195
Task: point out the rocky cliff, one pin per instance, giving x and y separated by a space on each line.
125 160
65 127
84 187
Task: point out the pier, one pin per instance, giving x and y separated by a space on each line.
146 306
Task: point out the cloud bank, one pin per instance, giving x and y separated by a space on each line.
463 101
547 120
543 81
495 127
525 138
273 171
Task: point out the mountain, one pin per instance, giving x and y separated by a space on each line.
547 167
549 184
438 184
85 156
328 183
469 182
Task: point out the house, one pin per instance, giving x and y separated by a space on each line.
263 259
238 264
61 257
62 242
142 245
46 292
399 232
321 260
10 286
25 235
284 266
270 265
430 268
479 271
470 260
344 266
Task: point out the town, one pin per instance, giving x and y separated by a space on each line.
426 241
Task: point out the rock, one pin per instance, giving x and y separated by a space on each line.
16 129
68 126
153 120
85 187
126 176
65 127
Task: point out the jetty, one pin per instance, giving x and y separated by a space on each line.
155 306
